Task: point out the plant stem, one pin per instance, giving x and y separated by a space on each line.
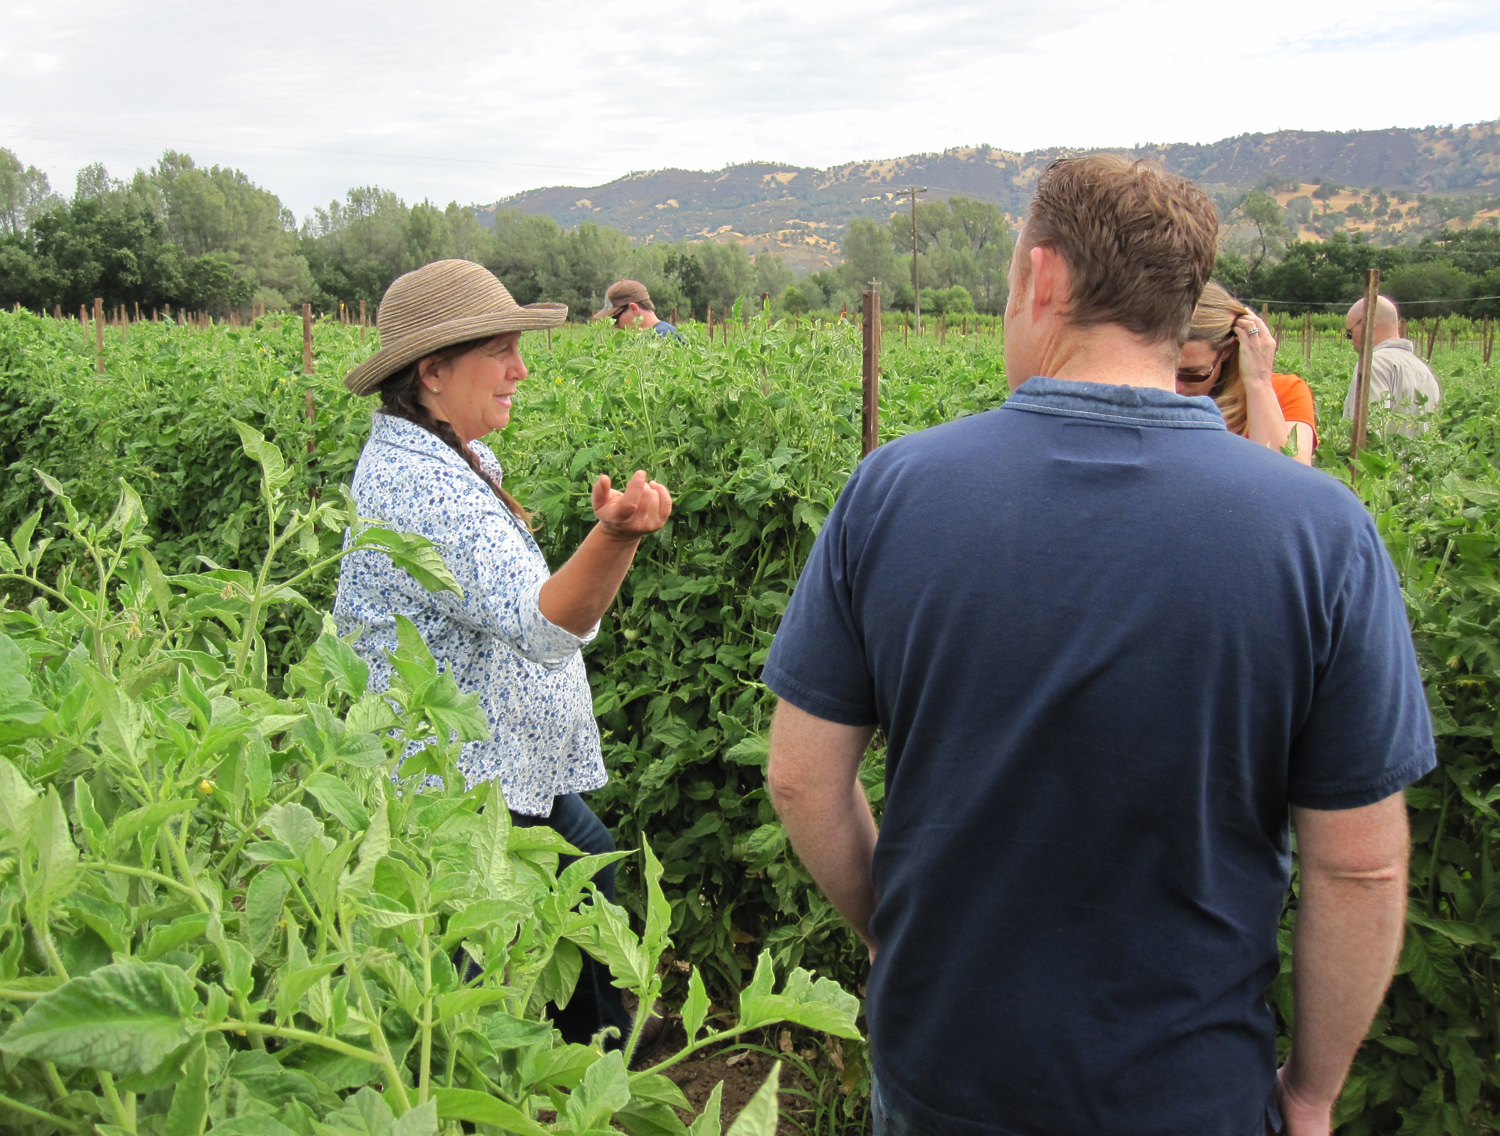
116 1106
377 1033
423 1089
292 1034
711 1039
1437 844
146 874
39 1114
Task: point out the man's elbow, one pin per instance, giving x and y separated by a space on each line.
788 785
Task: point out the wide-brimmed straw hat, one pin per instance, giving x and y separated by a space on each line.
438 305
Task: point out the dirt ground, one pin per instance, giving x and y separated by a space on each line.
742 1072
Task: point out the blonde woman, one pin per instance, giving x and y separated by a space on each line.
1230 356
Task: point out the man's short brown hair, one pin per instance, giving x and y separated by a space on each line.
1139 243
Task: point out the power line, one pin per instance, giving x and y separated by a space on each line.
1346 303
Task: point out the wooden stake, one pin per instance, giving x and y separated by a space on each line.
906 334
98 336
364 324
1432 334
709 313
870 416
674 315
307 369
942 330
83 317
1486 338
57 311
1366 354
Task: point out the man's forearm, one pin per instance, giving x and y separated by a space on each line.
1350 916
834 836
813 779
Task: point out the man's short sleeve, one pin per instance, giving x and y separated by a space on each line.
817 662
1368 732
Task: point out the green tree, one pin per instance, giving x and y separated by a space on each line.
960 241
1430 281
24 194
868 256
771 274
727 272
1263 211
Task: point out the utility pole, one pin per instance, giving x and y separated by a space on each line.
916 290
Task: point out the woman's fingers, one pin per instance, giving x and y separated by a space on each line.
643 506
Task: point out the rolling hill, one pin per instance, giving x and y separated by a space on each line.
801 213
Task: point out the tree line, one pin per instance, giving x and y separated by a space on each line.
209 239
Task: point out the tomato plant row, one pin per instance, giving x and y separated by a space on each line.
755 437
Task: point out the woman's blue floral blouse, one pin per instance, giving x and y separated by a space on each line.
527 671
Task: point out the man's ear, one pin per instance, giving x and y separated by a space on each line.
1050 284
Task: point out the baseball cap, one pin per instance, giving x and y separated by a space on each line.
621 293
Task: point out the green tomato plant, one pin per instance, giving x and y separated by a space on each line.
251 911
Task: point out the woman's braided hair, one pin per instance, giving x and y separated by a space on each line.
400 395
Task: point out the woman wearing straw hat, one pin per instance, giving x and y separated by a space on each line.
447 370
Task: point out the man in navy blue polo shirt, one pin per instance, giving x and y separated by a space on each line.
1114 650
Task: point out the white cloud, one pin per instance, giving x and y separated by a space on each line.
449 100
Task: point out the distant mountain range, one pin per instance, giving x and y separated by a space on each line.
801 213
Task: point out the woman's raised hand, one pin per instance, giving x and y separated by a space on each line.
1257 348
641 509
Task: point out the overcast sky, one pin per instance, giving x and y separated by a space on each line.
472 102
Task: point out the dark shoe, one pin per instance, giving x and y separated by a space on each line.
653 1033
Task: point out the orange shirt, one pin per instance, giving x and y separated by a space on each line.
1296 400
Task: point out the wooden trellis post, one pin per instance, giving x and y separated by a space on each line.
1432 334
1366 354
709 314
870 415
364 323
307 369
98 336
1487 340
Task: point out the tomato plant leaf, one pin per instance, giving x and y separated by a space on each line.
126 1017
695 1009
707 1122
481 1108
758 1118
339 799
264 899
189 1109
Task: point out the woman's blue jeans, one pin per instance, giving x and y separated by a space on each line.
596 1003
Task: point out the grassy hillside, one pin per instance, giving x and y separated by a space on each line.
802 212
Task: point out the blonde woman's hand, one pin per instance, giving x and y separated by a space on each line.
1257 348
641 509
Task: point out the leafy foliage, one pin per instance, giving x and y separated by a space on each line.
221 907
754 437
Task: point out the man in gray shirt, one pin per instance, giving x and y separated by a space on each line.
1399 381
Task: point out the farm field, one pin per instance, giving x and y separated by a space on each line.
197 830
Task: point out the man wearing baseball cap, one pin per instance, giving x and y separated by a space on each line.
628 304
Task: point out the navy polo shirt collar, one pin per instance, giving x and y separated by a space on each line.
1113 403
